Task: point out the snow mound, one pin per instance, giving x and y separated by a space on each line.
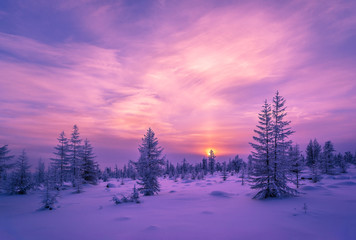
172 191
207 212
123 219
311 188
332 186
151 228
341 177
347 183
220 194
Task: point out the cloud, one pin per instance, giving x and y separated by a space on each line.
196 73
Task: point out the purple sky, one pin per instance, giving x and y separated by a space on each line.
197 72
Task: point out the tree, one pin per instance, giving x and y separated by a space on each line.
314 159
261 159
205 165
4 159
224 172
328 158
342 162
75 149
149 164
21 177
211 161
243 172
281 133
49 197
61 160
296 159
88 168
270 163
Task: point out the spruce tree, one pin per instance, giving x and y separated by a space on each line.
328 162
4 162
75 150
313 152
261 160
281 143
61 160
21 178
224 172
211 161
88 165
296 159
149 164
271 165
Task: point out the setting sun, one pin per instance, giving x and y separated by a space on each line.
208 151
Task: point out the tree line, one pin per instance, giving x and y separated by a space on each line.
274 166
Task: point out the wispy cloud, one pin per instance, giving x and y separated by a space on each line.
197 72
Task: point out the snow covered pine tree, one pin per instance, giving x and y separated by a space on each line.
261 172
149 164
61 160
270 164
281 163
88 165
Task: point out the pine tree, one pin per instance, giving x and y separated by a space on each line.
269 160
296 159
149 164
224 172
211 161
21 178
342 162
88 165
75 150
205 165
314 159
261 159
49 197
281 133
4 165
243 173
328 158
61 160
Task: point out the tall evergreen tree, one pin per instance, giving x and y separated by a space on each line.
224 171
328 162
205 165
296 159
61 160
149 164
261 160
211 161
75 149
88 168
281 143
271 165
4 162
314 159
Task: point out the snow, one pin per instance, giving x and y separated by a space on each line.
201 209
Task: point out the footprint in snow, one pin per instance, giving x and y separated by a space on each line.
123 219
207 212
151 228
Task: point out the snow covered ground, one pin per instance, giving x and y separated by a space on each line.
201 209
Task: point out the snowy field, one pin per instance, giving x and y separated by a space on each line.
200 209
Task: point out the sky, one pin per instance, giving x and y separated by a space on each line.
196 72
